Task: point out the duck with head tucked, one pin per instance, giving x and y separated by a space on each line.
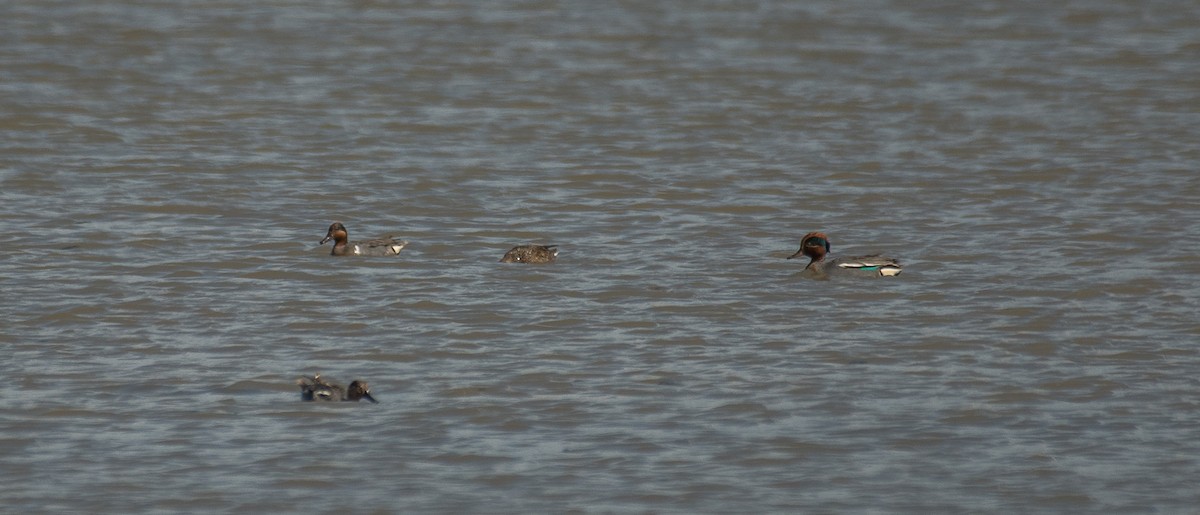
386 246
531 254
815 246
316 388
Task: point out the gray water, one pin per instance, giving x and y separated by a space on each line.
167 169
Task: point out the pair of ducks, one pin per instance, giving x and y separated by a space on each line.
316 388
814 245
389 246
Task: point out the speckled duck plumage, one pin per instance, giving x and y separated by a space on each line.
531 254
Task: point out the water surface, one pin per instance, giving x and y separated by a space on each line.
167 168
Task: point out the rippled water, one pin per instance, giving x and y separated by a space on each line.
167 169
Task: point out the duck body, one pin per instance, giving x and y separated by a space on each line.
815 246
316 388
531 254
342 246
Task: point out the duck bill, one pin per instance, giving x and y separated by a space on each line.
367 396
326 238
793 256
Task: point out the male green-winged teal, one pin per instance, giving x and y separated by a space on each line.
815 245
386 246
316 388
531 254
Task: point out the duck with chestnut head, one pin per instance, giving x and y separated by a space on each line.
816 247
342 246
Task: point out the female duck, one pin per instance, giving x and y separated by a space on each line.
815 245
386 246
317 389
531 254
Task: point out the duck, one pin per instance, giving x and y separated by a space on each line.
531 254
386 246
316 388
815 246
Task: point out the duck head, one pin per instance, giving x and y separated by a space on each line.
337 233
359 390
815 245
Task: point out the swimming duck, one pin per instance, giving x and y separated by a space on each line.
317 389
531 254
386 246
815 245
